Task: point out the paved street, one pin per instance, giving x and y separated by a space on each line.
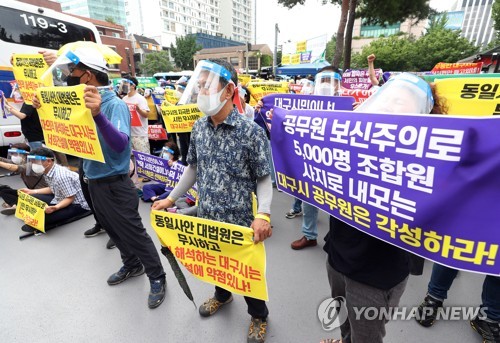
53 289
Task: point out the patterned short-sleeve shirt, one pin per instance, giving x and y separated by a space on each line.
229 159
65 183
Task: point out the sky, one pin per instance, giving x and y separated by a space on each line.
304 21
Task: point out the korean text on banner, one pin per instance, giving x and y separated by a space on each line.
180 118
170 96
31 210
358 79
457 68
470 96
135 120
157 132
28 70
258 90
152 167
218 253
427 184
244 79
68 126
174 175
359 95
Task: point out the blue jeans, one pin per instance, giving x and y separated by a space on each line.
154 189
442 278
297 205
35 145
310 221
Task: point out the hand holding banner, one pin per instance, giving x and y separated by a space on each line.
68 126
28 69
31 210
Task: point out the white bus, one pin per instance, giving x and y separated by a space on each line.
28 29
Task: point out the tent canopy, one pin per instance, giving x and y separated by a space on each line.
301 69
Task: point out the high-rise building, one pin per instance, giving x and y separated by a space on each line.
96 9
164 20
477 25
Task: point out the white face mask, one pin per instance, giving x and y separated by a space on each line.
211 104
17 159
325 89
37 168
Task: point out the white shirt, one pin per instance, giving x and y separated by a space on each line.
141 102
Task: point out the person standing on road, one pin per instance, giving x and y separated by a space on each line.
114 197
228 159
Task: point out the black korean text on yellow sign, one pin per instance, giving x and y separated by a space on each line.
218 253
28 69
31 210
68 126
470 96
258 90
180 118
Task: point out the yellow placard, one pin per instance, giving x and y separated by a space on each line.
180 118
470 96
28 69
258 90
170 96
67 124
295 59
244 79
286 59
301 46
31 210
218 253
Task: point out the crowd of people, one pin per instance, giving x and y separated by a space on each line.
227 154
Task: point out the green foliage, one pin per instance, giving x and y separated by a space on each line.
266 60
184 50
380 12
330 48
110 19
495 14
156 62
403 53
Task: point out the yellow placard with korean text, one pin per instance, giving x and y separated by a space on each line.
258 90
180 118
28 69
68 126
170 96
218 253
470 96
295 59
31 210
244 79
301 46
286 59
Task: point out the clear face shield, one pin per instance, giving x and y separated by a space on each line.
17 156
206 86
167 153
404 93
327 83
125 86
37 164
61 69
307 88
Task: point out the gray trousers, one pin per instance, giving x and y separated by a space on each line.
116 208
358 295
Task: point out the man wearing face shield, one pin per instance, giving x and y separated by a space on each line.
363 269
228 158
16 163
63 192
327 82
115 201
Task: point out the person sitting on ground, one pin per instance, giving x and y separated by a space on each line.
17 164
156 191
63 194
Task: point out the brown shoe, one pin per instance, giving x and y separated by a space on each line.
303 243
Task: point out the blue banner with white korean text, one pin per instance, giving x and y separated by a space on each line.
427 184
174 175
152 167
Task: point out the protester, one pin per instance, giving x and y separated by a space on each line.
156 191
63 193
112 191
245 100
17 164
365 270
437 291
228 159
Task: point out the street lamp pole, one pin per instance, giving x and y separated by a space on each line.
275 57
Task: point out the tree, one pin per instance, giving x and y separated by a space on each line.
380 12
348 33
330 48
267 60
495 15
110 19
184 50
156 62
